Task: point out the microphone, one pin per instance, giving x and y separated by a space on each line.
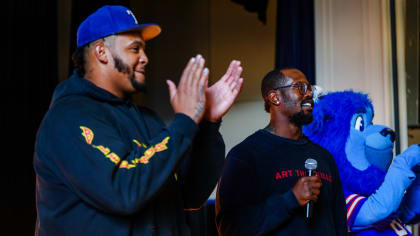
310 165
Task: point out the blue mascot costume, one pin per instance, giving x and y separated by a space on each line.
382 193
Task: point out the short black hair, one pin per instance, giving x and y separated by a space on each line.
79 60
271 80
79 56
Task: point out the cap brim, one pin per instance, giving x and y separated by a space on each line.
147 31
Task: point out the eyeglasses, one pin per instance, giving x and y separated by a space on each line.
301 86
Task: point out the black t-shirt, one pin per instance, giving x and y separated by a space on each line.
254 195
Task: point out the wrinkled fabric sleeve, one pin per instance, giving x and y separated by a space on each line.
103 169
409 210
202 168
238 212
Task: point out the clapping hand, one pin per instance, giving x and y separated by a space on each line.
221 95
193 98
189 97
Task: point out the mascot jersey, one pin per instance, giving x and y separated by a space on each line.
255 197
390 226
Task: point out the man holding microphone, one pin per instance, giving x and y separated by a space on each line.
271 179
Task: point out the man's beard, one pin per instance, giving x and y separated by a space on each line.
300 118
124 68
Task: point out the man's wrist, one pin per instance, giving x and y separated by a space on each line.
213 120
209 118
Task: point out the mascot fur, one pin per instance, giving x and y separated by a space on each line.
380 197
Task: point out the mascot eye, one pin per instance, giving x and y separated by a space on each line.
360 124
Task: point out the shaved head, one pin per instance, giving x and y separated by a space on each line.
277 78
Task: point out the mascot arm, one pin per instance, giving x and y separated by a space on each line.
409 211
388 197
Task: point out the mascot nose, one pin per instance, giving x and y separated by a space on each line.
387 131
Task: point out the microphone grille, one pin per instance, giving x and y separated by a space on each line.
311 164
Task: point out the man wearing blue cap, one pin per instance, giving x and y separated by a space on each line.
104 165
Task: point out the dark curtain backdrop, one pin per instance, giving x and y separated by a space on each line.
295 33
295 36
29 81
31 76
27 85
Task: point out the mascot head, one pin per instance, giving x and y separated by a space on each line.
363 151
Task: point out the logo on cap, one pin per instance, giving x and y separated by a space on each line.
131 14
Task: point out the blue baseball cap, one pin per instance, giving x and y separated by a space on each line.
109 20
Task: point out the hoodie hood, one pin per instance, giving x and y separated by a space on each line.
76 85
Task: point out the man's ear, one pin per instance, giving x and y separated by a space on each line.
100 51
274 97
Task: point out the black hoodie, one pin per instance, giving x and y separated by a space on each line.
107 167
